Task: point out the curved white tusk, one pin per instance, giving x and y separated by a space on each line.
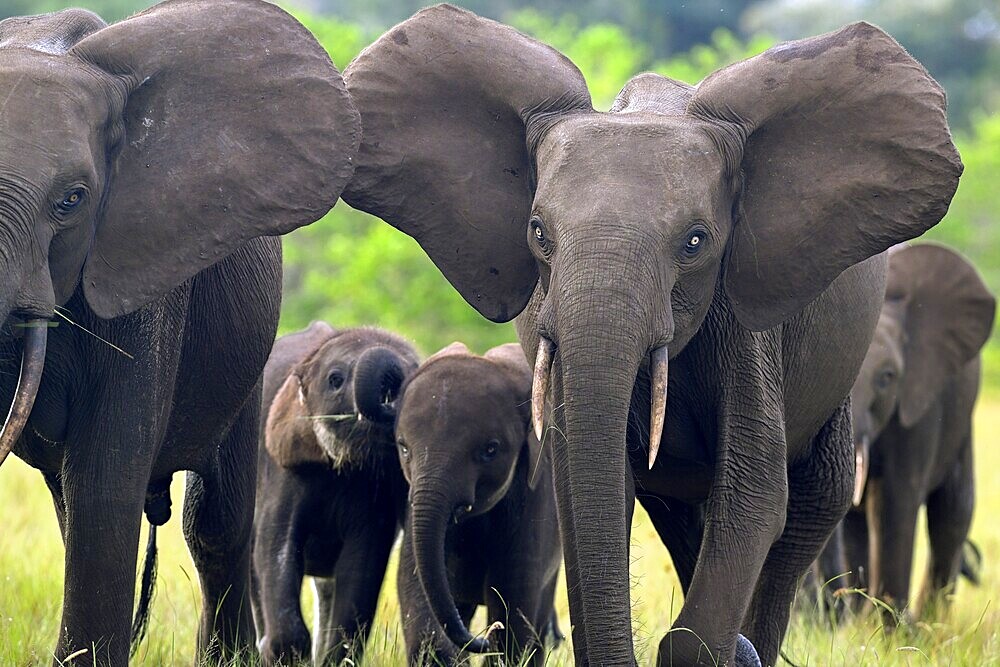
658 400
540 384
32 363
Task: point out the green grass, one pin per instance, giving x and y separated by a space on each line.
31 576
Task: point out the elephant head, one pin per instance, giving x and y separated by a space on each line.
337 406
768 179
937 315
462 428
137 154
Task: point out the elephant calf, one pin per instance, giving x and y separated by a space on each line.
481 526
912 411
330 494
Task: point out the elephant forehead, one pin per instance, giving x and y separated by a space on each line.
457 394
49 103
631 159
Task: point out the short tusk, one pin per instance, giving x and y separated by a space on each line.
540 384
32 363
658 399
860 472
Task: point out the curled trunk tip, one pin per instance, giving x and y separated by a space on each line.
32 363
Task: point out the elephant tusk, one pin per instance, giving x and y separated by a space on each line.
860 472
32 362
540 384
658 364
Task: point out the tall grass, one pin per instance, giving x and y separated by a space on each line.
31 577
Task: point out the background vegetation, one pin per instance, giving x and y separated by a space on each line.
352 269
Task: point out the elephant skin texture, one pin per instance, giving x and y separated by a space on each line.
330 493
142 185
481 526
912 409
734 231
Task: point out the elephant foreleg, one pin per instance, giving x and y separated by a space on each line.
819 493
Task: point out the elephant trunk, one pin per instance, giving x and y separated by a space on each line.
377 381
32 363
431 509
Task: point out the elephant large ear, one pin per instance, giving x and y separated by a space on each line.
948 318
846 151
510 360
236 125
288 434
444 99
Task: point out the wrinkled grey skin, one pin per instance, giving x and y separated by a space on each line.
330 493
481 525
130 203
912 413
738 225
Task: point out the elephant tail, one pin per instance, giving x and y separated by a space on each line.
157 511
972 562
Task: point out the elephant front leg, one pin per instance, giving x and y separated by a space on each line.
819 493
744 514
103 512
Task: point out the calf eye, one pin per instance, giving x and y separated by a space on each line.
489 451
695 243
336 380
71 200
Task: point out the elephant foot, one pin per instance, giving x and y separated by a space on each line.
746 654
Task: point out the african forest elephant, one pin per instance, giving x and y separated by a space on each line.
912 406
481 526
727 227
145 168
330 494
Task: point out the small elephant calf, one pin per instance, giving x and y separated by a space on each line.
481 525
330 494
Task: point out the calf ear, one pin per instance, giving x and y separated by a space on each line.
948 318
288 434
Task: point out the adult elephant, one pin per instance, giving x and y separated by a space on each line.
142 167
734 227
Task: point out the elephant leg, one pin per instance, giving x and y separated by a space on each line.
218 518
343 626
58 501
892 521
679 526
949 517
284 637
855 537
819 493
424 637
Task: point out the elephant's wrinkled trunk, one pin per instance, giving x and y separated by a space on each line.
377 380
32 363
431 510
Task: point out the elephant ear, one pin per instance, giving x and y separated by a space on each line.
444 99
845 152
512 363
454 349
53 33
948 318
288 435
236 125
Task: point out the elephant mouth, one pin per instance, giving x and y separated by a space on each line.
348 442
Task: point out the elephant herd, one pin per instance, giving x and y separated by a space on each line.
746 234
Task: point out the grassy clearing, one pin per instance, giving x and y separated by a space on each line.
31 578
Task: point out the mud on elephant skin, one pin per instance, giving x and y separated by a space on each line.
330 493
720 230
913 402
147 167
481 526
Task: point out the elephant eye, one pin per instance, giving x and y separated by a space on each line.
490 450
537 235
404 451
71 200
336 380
885 379
695 242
